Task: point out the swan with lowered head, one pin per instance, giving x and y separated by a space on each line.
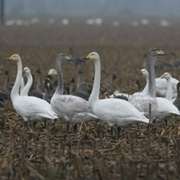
30 108
142 100
71 108
165 107
113 111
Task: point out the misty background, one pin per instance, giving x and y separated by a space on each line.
57 8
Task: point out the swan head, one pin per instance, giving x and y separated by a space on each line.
144 72
166 75
62 57
156 52
38 71
92 56
26 71
14 57
52 72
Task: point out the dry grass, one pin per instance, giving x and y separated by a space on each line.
139 152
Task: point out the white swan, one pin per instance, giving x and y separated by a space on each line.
169 93
165 107
30 108
112 111
71 108
27 73
161 87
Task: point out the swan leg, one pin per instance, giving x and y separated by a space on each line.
112 130
75 128
25 124
67 126
54 122
118 130
34 124
166 122
45 123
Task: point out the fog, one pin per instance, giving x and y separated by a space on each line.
19 8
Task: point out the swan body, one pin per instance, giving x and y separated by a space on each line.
112 111
161 86
25 90
165 107
169 93
71 108
30 108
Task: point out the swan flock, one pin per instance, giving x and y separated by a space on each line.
75 109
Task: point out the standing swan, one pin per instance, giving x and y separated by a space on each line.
71 108
29 82
29 107
112 111
142 100
169 93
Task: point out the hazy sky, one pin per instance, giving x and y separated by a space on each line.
92 7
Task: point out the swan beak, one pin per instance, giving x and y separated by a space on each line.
69 59
163 76
161 53
9 58
88 56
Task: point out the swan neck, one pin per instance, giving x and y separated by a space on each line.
169 90
178 90
150 68
79 81
60 87
147 84
28 85
96 85
17 84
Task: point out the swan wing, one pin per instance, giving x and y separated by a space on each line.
33 108
122 112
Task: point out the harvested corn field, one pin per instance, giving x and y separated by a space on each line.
139 151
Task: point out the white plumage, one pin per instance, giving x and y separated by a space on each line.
30 108
112 111
161 86
165 107
25 90
71 108
169 93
